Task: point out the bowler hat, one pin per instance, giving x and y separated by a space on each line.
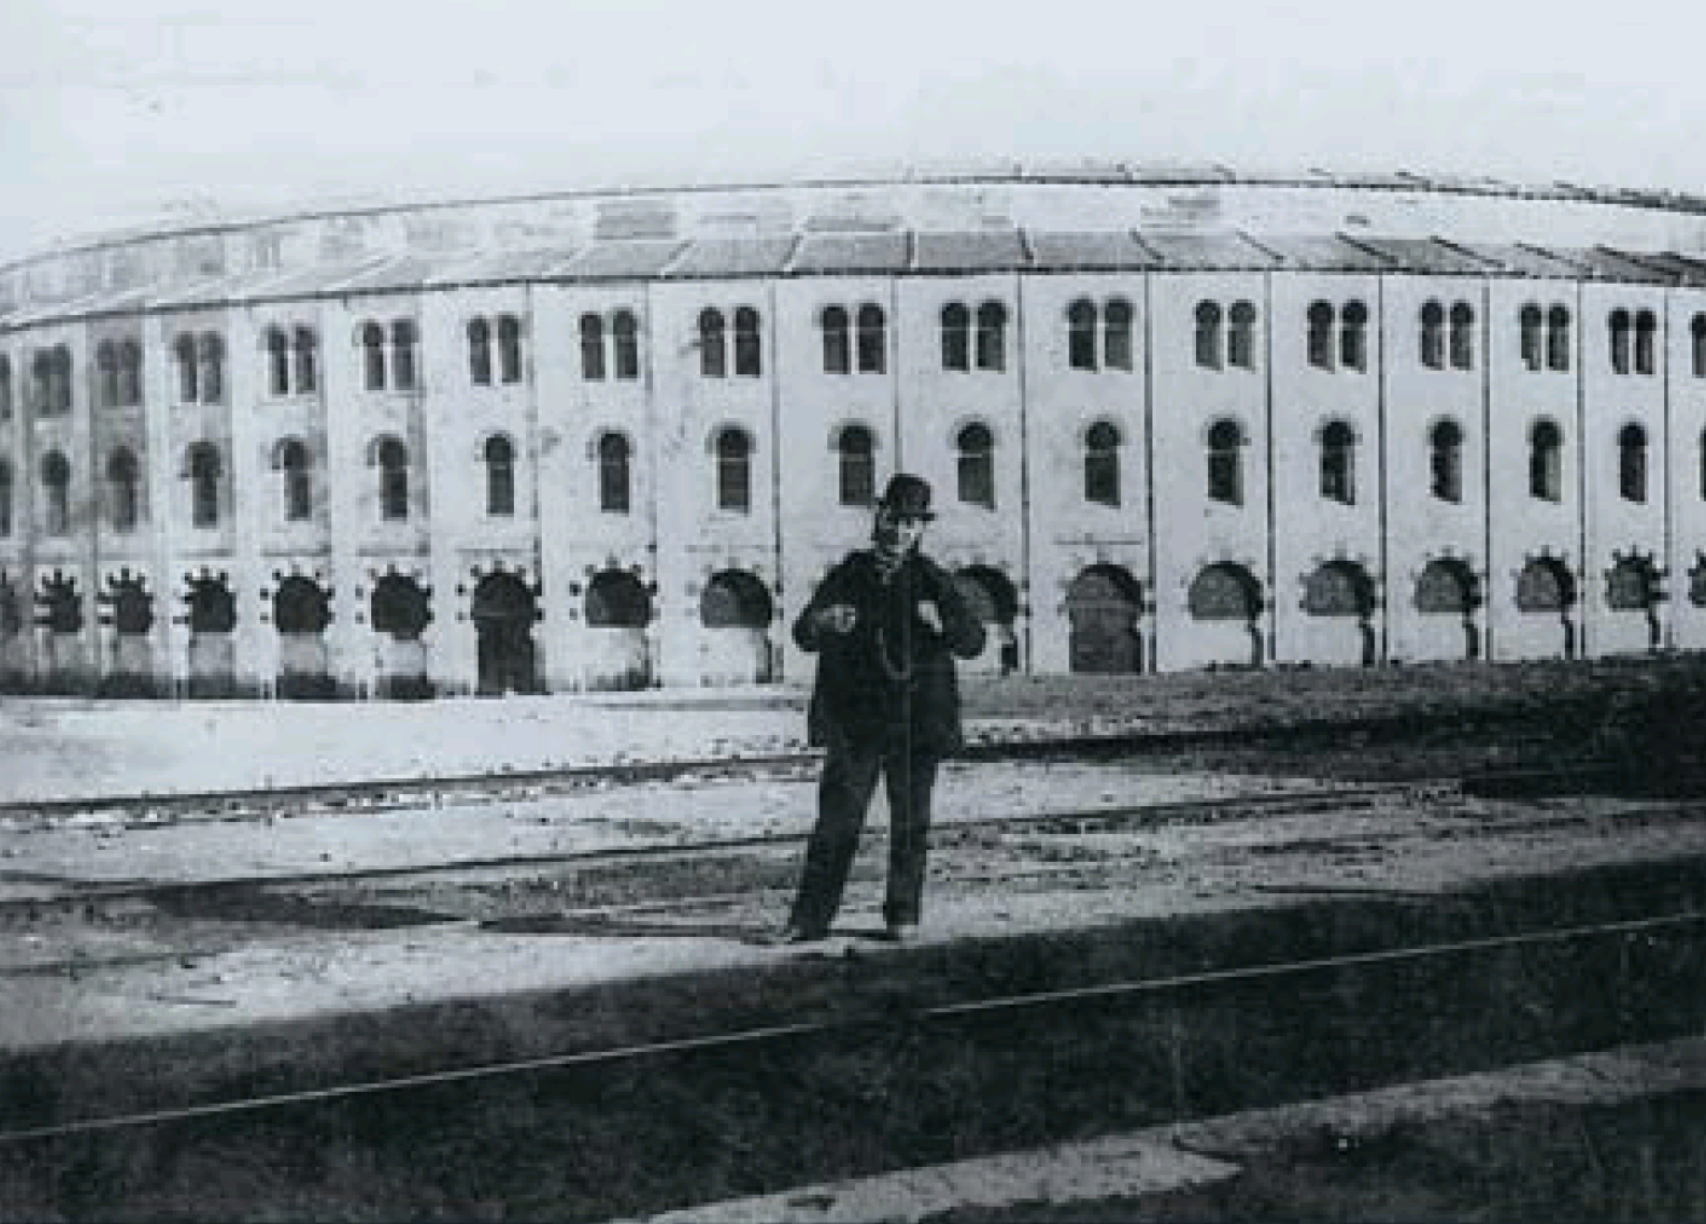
907 497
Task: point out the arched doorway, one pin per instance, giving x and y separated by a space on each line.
212 617
61 610
504 612
301 610
618 609
990 597
13 650
1632 596
131 673
1225 606
735 611
1447 598
1103 606
1338 599
1546 596
400 609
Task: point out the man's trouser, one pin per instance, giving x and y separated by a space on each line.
843 796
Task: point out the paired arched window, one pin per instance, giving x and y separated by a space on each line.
600 343
1632 463
480 341
204 470
1546 462
733 448
1102 464
499 457
1436 348
1338 463
1226 463
56 485
292 361
851 342
988 345
1634 341
614 477
1545 337
391 457
124 485
856 465
975 465
292 461
1228 339
1099 337
713 344
400 374
1445 461
52 369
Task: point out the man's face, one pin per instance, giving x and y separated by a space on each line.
898 532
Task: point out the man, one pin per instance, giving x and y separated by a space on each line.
886 623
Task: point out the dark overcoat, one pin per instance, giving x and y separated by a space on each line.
891 674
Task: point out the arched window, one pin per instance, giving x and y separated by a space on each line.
873 340
480 352
1353 336
290 458
1433 336
373 356
1462 336
1632 463
509 348
403 365
1558 338
1208 335
211 350
204 473
183 354
734 470
306 347
106 368
59 365
992 336
1445 461
713 357
1618 328
278 362
1646 342
1697 347
1116 334
393 461
1338 463
748 360
1226 463
56 483
1546 462
837 341
592 348
5 388
625 329
129 374
1081 335
1530 322
1321 335
499 455
1241 336
1102 464
956 337
614 482
975 466
5 498
124 485
857 452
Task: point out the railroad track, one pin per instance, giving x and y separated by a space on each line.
295 899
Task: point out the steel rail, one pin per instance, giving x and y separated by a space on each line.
934 1013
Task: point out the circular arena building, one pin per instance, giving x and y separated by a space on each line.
608 439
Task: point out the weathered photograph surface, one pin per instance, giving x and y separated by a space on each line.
940 613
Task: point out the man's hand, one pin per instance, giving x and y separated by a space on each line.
930 614
837 618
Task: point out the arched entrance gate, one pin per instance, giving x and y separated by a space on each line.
504 612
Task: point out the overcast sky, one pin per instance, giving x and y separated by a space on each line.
122 111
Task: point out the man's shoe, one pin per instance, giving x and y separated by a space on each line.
794 933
